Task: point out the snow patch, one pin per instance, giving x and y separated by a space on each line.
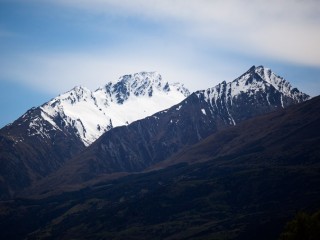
132 98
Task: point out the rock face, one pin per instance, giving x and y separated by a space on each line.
29 153
146 142
39 142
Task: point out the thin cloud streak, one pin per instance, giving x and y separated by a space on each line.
173 38
93 71
287 30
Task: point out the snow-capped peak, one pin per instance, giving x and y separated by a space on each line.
76 94
260 79
141 84
132 97
258 86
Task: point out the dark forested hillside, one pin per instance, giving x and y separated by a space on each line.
240 186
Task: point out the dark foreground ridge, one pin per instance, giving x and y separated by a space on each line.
245 182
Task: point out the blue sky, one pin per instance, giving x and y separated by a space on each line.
49 46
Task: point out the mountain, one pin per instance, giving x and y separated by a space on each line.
147 142
257 91
39 142
246 182
90 114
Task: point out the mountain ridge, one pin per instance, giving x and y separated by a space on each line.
138 146
252 139
55 141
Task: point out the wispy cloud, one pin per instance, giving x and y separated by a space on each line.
281 29
56 73
198 42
